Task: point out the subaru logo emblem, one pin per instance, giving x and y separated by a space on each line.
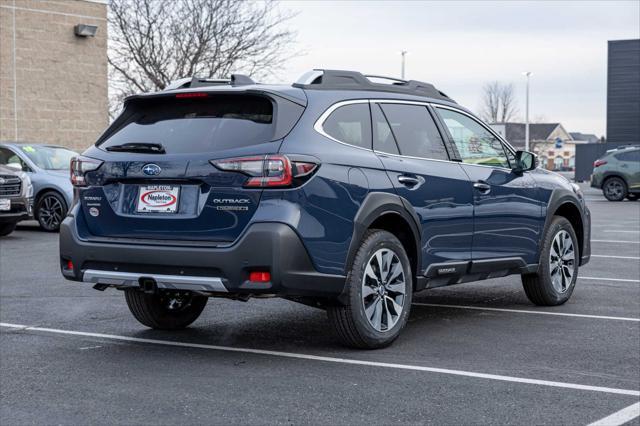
151 169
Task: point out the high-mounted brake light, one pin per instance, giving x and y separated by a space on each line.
599 163
268 171
80 166
192 95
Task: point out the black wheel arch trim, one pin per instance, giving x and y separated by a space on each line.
612 174
560 197
374 206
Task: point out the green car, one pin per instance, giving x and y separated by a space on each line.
617 173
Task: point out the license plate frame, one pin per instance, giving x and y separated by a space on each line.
156 199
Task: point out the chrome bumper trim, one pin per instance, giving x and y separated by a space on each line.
170 282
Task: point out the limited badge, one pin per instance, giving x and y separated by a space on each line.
94 212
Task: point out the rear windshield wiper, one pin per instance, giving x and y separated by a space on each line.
142 147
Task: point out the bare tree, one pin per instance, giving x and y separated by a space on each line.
491 102
498 102
507 103
153 42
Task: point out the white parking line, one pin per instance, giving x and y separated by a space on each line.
620 417
525 311
616 257
625 231
615 241
349 361
624 280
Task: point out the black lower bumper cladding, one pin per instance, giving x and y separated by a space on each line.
272 247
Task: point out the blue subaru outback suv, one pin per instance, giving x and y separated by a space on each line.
343 191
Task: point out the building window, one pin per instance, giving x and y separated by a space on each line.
557 163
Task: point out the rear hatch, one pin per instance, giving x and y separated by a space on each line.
157 180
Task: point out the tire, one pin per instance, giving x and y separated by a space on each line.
50 211
542 288
632 197
153 310
352 324
614 189
7 228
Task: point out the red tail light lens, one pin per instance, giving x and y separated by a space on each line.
269 171
81 165
599 163
260 277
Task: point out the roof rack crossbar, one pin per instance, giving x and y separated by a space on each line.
353 80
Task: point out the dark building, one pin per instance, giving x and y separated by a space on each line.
623 91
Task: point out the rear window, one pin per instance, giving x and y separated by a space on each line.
206 124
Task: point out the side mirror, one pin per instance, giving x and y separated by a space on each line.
15 166
525 161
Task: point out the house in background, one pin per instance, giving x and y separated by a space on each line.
555 147
585 137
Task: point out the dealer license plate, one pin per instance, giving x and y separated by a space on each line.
158 199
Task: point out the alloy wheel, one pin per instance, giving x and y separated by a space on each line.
562 261
383 290
50 212
614 189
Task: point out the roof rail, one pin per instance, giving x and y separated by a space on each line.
352 80
628 145
187 82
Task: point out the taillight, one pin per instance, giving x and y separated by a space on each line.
599 163
268 171
81 165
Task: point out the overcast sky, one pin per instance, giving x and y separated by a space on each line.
459 46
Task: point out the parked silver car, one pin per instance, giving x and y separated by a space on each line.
48 168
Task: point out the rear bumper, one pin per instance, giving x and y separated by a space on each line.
272 247
20 210
596 181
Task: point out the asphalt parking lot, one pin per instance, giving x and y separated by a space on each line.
472 354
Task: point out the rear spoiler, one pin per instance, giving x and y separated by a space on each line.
288 108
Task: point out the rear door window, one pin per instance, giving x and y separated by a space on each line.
202 124
629 156
383 140
350 124
415 131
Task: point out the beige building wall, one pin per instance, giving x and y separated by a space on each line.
53 84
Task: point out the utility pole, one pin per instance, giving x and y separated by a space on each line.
403 53
526 125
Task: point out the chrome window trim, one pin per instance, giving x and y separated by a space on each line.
318 127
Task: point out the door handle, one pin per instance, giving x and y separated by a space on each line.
482 186
408 180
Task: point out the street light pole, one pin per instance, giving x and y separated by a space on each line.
526 125
403 53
